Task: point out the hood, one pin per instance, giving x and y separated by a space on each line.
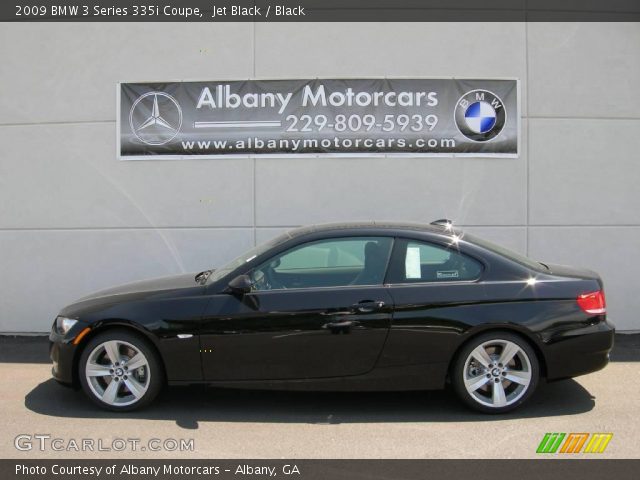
171 286
163 287
172 282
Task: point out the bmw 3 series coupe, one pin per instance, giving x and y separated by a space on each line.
358 306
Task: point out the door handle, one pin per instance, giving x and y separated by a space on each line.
339 324
366 306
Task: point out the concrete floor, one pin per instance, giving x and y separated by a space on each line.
250 424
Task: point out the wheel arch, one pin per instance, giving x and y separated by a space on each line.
521 332
108 325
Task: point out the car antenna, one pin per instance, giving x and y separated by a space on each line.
443 222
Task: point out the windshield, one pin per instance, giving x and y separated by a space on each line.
505 252
245 257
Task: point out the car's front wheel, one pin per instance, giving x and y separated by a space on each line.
495 372
120 371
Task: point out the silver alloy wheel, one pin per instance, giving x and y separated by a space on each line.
497 373
118 373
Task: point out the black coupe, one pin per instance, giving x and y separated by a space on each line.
358 306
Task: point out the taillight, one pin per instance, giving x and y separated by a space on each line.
592 303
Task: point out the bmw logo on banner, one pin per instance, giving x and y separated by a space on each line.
480 115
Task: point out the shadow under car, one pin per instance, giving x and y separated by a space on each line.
188 406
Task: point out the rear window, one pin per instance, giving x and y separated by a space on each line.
505 252
420 262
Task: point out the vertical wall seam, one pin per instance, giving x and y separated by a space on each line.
528 136
255 230
253 46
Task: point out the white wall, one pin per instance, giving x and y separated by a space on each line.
73 219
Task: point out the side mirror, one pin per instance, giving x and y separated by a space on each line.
241 284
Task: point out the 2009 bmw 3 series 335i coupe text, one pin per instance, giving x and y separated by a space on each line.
358 306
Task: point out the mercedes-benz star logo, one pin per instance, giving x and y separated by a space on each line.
480 115
155 118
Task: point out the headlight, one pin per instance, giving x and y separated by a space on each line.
63 324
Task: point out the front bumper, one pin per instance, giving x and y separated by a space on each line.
62 352
578 352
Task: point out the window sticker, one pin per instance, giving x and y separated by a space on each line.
441 274
412 263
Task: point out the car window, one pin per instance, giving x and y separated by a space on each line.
326 263
427 262
220 272
505 252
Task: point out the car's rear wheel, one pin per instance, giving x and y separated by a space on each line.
120 371
495 372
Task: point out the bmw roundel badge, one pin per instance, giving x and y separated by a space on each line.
480 115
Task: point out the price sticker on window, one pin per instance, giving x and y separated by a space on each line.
412 263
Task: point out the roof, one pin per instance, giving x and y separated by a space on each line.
368 225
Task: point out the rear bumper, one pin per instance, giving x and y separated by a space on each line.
578 352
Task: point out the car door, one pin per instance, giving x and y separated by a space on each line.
320 309
435 288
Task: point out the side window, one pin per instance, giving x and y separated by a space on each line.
334 254
426 262
334 262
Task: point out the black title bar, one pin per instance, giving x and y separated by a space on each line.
320 10
547 469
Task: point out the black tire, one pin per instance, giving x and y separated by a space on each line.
129 342
482 397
